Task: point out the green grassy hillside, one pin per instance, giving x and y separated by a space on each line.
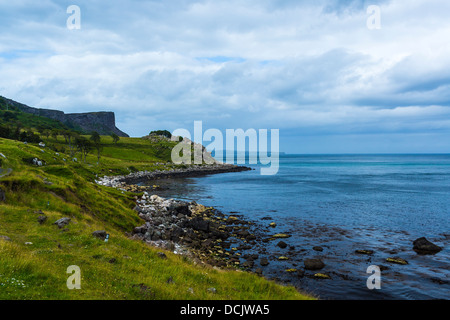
34 255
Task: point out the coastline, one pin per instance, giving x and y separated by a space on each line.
203 234
262 246
130 180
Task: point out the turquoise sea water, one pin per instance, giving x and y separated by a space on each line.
344 203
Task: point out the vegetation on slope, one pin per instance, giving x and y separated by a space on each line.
35 255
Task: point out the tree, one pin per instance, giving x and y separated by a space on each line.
115 137
54 133
84 146
41 129
164 133
71 139
96 139
47 133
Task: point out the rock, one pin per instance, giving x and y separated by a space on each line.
37 162
199 224
301 273
368 252
321 276
248 264
162 255
264 262
423 246
42 219
383 268
320 249
140 230
439 281
282 244
251 237
101 234
283 258
281 236
272 225
313 264
61 223
212 290
397 260
5 238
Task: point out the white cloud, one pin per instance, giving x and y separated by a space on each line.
293 65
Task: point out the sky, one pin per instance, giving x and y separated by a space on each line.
312 69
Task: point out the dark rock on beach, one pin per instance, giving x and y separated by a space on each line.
423 246
203 231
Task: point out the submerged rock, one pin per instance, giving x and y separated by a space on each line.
368 252
282 244
264 262
423 246
314 264
321 276
281 236
397 260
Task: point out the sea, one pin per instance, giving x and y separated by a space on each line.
343 203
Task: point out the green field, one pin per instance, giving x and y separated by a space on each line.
33 263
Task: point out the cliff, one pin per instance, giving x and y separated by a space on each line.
102 122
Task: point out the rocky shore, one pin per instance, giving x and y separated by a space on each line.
200 231
130 180
203 233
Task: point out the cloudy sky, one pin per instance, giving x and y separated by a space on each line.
312 69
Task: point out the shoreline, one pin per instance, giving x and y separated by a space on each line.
204 234
125 182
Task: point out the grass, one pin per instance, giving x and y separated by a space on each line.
33 265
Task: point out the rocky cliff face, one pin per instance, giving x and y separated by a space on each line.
102 122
